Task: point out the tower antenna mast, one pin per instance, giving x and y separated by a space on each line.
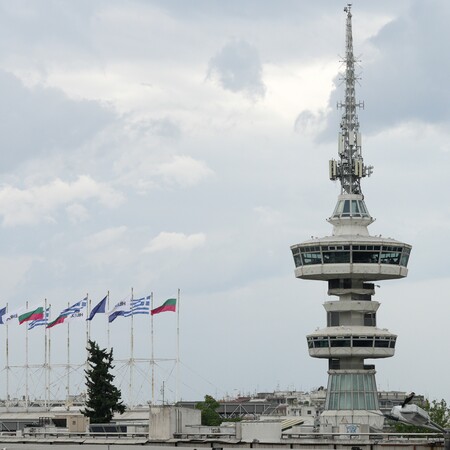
350 167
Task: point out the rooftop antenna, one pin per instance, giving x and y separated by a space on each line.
350 168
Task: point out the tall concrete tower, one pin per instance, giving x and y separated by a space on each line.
350 260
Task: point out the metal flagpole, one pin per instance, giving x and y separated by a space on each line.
88 328
130 387
178 348
7 364
46 365
49 366
153 350
26 362
107 330
68 359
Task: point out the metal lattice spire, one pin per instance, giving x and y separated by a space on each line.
350 168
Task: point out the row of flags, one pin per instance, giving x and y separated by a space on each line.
39 315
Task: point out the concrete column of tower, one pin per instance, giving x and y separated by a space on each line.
351 261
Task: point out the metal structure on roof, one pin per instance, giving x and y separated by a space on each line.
350 168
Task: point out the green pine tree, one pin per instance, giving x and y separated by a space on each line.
103 398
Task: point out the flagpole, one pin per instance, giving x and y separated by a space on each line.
88 328
26 362
46 365
88 322
153 351
68 359
49 369
7 364
130 387
178 349
107 330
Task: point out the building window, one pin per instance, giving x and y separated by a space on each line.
370 320
333 319
352 391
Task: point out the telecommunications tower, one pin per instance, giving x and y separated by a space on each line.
351 261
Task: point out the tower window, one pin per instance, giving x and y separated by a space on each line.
334 364
370 320
333 319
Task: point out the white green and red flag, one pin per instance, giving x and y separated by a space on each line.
32 314
168 305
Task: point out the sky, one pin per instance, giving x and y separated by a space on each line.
160 145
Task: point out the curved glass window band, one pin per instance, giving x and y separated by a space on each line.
344 254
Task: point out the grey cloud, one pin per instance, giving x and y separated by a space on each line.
308 123
164 127
289 10
37 121
50 22
238 68
408 79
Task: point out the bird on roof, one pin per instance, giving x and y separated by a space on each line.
408 398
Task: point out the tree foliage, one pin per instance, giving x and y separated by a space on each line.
438 411
103 398
210 416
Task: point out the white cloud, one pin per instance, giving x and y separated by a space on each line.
175 241
183 170
32 205
13 270
145 172
104 238
268 215
77 213
109 248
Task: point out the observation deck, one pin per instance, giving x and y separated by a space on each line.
352 341
347 256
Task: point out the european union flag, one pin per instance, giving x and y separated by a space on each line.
2 313
99 308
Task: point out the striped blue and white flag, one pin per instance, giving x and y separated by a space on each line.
77 310
140 306
40 322
127 308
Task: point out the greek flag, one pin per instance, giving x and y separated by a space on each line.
140 306
39 322
127 308
74 311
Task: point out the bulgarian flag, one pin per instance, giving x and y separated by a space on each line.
35 314
168 305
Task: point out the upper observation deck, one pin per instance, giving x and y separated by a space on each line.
362 257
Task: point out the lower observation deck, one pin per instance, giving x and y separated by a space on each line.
346 342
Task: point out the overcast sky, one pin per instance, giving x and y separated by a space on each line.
167 144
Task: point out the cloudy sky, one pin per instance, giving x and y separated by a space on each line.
165 144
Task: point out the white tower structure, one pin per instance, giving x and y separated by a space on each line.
350 261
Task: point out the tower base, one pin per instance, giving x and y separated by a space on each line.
352 401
